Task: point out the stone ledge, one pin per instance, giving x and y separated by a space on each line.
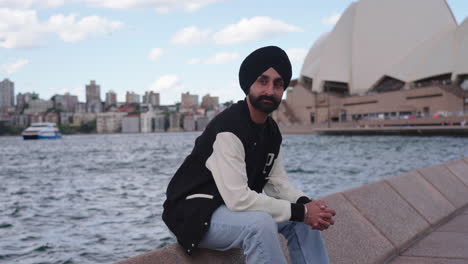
175 254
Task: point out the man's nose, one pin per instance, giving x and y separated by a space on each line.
269 89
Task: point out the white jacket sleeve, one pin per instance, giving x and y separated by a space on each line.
227 165
278 185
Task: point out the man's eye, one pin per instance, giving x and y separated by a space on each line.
279 84
263 81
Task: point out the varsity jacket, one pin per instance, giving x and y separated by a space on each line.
234 162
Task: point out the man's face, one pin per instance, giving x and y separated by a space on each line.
266 92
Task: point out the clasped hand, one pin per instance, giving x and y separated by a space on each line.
319 216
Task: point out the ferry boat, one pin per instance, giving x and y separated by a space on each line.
41 131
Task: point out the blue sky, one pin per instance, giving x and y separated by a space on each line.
175 46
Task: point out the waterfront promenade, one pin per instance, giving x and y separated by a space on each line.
418 217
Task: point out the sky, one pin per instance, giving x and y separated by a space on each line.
168 46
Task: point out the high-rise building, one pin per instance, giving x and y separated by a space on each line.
81 108
210 102
151 98
22 100
93 92
7 94
66 103
93 98
132 97
111 99
189 100
38 106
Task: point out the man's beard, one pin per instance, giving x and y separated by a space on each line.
262 106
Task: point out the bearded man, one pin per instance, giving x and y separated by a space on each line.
232 190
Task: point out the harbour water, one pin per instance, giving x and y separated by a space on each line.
98 198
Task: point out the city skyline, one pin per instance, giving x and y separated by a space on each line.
53 47
109 98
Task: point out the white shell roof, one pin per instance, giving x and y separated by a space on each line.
461 49
398 38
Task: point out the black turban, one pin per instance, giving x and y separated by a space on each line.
261 60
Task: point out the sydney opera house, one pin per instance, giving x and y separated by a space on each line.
383 60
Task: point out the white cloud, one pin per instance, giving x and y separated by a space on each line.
167 82
72 30
163 10
297 55
256 28
194 61
155 54
331 20
22 29
29 3
161 6
190 35
13 67
54 3
170 87
19 28
221 58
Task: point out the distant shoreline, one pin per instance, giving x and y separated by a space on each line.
359 131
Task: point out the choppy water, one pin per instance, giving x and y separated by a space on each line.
98 198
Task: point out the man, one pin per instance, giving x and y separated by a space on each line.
232 190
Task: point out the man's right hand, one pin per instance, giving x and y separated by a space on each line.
319 216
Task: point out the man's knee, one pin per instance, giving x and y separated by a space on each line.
262 222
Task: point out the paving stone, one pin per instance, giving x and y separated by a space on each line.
426 199
460 169
353 239
423 260
458 224
447 183
388 211
441 245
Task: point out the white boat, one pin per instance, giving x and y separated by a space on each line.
41 131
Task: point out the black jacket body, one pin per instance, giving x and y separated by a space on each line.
189 219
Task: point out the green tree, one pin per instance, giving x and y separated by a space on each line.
69 129
6 129
89 127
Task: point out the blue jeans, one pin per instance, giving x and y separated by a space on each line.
256 233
